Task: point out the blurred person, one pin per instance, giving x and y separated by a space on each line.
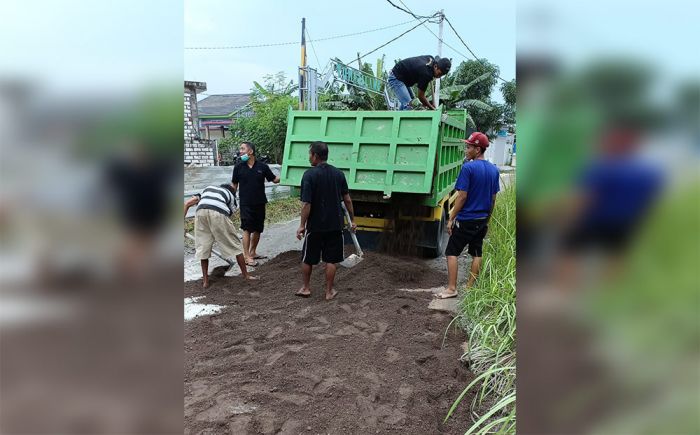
140 184
477 185
420 71
215 205
249 180
323 187
610 199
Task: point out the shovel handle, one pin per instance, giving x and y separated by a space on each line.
214 251
352 233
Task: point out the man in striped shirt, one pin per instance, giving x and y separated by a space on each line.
215 205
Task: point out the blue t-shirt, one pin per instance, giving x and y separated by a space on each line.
479 178
620 191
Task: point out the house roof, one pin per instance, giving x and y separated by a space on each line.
222 104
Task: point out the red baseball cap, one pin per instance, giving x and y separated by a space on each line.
478 139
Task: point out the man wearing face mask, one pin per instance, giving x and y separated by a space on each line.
249 180
476 186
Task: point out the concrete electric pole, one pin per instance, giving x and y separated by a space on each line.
436 95
302 82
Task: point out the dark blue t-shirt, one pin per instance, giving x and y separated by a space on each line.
620 191
479 178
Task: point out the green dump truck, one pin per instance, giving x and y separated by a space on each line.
400 165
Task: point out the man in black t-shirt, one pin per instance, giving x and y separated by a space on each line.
323 187
249 179
419 71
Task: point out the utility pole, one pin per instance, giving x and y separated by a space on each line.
302 82
436 94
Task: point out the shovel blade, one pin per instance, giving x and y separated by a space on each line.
351 261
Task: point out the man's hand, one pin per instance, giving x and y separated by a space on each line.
450 224
353 226
190 202
300 233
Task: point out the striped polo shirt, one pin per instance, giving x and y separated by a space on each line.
217 198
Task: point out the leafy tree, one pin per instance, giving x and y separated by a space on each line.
470 87
268 125
508 91
455 97
469 71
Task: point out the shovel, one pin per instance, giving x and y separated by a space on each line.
230 262
353 259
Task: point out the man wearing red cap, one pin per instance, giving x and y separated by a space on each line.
477 185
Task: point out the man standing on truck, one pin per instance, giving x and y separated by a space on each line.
420 71
477 185
322 188
249 179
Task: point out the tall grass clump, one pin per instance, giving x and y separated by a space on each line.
488 317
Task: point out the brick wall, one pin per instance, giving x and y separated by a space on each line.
198 151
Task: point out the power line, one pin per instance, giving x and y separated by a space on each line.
470 50
277 44
408 11
460 38
297 42
436 36
312 47
363 32
389 42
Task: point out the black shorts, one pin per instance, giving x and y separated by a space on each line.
472 233
253 218
323 244
613 239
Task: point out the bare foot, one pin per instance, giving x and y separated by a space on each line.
446 294
331 295
252 278
303 292
205 284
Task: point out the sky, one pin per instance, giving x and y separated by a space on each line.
487 27
86 46
83 47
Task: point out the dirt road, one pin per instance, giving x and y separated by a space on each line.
371 361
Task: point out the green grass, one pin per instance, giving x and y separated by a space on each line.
488 317
282 210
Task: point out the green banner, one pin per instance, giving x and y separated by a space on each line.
357 78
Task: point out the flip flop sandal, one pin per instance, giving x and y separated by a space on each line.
260 257
302 295
251 263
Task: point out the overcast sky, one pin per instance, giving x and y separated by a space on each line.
487 27
119 46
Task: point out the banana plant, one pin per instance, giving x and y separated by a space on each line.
452 97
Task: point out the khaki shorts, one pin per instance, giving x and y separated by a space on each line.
210 226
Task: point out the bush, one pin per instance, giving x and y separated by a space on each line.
267 128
